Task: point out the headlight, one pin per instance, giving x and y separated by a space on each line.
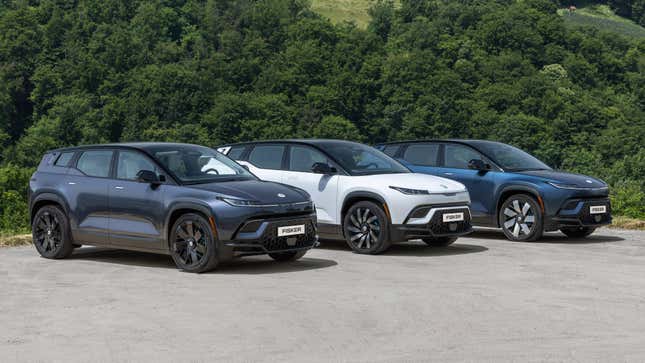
573 186
240 202
409 191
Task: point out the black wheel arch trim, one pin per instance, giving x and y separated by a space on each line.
364 195
47 197
517 189
187 205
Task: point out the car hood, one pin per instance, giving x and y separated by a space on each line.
431 183
257 190
561 177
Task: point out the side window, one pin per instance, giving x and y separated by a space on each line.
458 156
236 152
422 154
95 163
267 156
391 150
130 163
302 158
63 159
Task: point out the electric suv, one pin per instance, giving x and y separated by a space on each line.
510 188
360 194
184 200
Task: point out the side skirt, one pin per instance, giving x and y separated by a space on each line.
330 231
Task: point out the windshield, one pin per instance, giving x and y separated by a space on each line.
360 159
193 164
509 157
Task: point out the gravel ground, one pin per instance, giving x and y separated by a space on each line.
482 299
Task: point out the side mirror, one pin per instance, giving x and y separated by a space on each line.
478 164
323 168
148 176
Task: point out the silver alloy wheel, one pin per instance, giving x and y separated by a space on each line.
364 227
190 243
519 218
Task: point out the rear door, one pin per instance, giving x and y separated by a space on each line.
421 157
322 188
136 209
266 161
86 186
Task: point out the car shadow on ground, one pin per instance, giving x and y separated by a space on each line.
248 265
412 248
549 237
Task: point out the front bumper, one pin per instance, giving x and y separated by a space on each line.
577 213
432 224
260 236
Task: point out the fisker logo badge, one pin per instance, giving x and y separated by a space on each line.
589 181
281 195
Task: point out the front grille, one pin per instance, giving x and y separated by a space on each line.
587 218
272 242
439 227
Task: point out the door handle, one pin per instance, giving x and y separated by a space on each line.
449 173
119 188
71 183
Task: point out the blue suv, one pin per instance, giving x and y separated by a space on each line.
510 188
188 201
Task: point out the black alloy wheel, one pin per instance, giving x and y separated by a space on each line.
192 244
50 233
366 228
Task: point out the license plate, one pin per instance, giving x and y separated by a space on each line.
597 209
291 230
453 217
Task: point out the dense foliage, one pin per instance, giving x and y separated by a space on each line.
216 71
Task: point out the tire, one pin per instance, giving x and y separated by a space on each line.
578 232
439 241
51 234
521 218
192 244
288 256
366 228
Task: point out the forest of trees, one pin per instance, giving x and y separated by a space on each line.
216 71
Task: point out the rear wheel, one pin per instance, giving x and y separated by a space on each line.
366 228
192 244
439 241
50 233
288 256
578 232
521 218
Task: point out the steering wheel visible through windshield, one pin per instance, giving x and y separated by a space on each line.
358 159
193 164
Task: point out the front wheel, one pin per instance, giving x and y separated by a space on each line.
578 232
439 241
288 256
50 233
192 244
366 228
521 218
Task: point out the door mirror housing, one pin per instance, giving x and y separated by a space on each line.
148 176
323 168
478 164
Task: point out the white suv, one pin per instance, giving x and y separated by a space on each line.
361 194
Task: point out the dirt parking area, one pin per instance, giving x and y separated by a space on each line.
482 299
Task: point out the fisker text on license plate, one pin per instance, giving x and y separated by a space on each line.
597 209
453 217
291 230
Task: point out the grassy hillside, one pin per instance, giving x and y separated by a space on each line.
602 17
343 10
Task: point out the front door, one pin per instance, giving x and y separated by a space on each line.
136 209
480 184
322 188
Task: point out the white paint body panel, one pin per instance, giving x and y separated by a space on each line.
329 191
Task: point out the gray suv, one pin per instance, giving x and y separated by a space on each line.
185 200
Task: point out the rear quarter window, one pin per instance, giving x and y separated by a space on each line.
63 159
